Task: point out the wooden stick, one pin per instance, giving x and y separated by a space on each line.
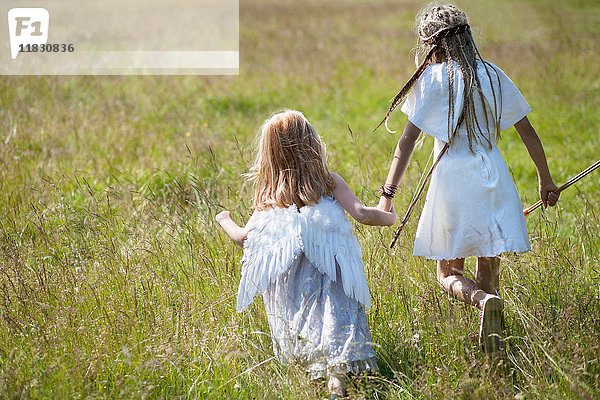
566 185
416 198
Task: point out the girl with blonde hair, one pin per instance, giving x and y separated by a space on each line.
300 252
472 207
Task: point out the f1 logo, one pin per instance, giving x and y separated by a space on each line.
27 26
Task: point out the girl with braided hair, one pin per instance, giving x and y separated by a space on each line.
472 207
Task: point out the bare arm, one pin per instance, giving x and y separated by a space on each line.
404 150
233 230
536 152
363 214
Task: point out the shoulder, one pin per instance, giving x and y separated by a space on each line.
341 187
482 66
435 73
342 193
495 71
498 77
434 80
432 86
338 180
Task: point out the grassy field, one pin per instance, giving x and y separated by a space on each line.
116 283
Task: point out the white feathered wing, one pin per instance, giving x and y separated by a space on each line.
278 236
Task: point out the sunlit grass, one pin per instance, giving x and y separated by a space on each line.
116 283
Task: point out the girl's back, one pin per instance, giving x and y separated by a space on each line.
472 206
278 236
300 252
496 101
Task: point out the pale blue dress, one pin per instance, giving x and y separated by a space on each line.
308 265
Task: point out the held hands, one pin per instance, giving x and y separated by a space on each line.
393 216
386 204
548 194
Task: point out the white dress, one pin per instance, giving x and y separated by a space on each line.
472 207
308 265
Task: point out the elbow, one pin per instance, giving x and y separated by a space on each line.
374 216
362 215
377 217
386 219
391 220
241 238
368 216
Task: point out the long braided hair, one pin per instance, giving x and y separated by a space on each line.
444 35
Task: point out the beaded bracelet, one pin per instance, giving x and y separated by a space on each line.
388 191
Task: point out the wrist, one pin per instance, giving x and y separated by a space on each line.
388 191
544 177
546 182
385 204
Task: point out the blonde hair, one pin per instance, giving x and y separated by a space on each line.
290 166
444 35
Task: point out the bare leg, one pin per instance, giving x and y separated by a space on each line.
488 274
451 279
482 294
337 377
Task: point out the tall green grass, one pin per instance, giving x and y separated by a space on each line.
116 283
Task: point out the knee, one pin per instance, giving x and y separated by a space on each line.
441 271
445 268
441 275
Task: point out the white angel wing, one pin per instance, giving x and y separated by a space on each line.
327 239
278 236
273 243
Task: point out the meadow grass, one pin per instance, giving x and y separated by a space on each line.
116 283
